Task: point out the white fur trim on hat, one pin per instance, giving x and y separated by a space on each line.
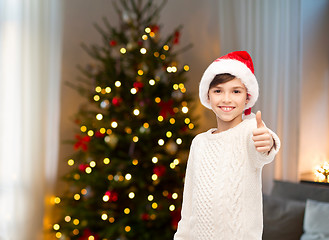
234 67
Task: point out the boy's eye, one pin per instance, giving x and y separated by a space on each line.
237 91
217 91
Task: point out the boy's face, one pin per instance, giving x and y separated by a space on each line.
228 101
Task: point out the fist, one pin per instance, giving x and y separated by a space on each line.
262 138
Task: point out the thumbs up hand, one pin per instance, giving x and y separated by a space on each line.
262 138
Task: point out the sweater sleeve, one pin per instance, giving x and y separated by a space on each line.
260 159
183 230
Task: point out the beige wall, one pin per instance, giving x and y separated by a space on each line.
314 113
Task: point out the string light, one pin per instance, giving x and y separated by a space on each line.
146 125
176 161
110 177
154 177
127 228
88 170
57 200
84 191
56 227
175 86
160 118
174 195
135 162
140 72
83 128
123 50
127 211
108 89
128 176
150 198
147 30
133 91
76 176
186 68
184 109
163 57
172 207
96 98
102 130
154 205
106 160
67 219
161 142
144 37
99 116
157 100
169 134
166 47
114 124
179 141
136 112
117 84
187 120
131 195
143 50
58 235
76 221
172 120
152 82
75 231
92 164
106 198
104 216
70 162
90 133
191 126
154 159
77 196
135 139
111 219
156 54
98 89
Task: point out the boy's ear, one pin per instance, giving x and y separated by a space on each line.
247 99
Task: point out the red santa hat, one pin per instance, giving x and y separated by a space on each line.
238 64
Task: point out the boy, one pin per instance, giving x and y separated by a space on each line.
222 193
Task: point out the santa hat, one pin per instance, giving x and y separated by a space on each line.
240 65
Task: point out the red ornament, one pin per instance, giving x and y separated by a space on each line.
113 196
140 43
166 107
145 216
176 37
184 128
116 101
138 85
175 217
82 142
82 167
99 134
87 233
159 170
154 28
113 43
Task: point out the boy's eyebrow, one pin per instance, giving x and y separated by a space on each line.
234 87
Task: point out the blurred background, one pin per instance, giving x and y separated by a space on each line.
40 49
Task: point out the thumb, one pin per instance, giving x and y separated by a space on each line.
259 119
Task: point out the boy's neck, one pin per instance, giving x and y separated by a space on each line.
226 125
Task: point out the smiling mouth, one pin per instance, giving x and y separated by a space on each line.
226 108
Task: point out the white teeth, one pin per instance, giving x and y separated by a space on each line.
227 108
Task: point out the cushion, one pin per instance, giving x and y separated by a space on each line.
283 218
301 191
316 221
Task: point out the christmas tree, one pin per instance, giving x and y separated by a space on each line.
126 173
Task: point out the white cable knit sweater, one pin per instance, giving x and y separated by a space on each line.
222 197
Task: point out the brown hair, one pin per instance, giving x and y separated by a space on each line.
221 78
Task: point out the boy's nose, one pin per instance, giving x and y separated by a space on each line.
227 97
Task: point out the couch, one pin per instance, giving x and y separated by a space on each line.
296 211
